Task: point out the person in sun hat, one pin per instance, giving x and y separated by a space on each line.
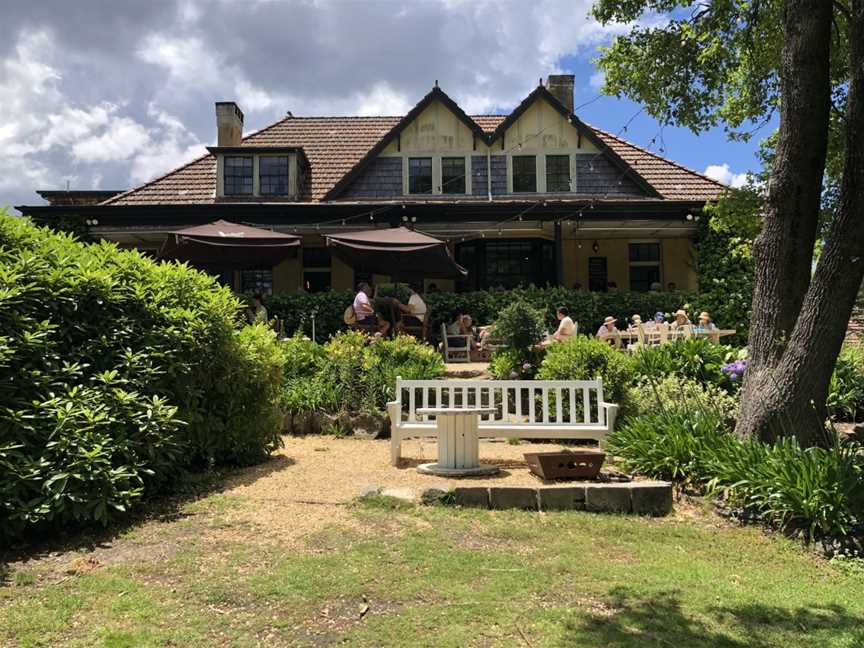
705 323
635 322
680 320
608 329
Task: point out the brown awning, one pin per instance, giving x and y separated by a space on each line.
399 252
222 244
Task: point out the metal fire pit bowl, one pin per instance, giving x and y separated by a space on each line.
582 464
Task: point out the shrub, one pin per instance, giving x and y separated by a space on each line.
584 358
694 358
682 394
119 373
303 357
510 364
846 391
354 372
519 326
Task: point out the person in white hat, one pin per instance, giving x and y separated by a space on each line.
705 323
680 320
608 329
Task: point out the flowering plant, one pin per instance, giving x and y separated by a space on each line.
735 370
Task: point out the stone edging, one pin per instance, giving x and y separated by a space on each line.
639 497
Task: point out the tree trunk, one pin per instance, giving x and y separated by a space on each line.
787 381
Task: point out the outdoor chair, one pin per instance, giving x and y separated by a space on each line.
641 340
455 353
421 331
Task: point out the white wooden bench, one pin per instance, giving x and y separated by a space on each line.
524 409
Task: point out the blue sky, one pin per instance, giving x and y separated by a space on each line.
109 95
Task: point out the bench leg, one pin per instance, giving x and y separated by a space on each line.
395 447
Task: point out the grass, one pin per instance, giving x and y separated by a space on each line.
432 576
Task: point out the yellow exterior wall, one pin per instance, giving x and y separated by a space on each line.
542 128
341 275
435 130
287 277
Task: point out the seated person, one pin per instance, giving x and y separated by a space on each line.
462 325
415 309
659 318
608 329
705 323
635 322
566 327
365 313
681 320
257 312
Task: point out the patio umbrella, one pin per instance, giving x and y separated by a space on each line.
229 245
399 252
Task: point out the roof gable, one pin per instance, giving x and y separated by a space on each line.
436 94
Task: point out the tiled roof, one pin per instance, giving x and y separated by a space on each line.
334 145
670 179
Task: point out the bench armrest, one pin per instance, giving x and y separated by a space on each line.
611 414
394 409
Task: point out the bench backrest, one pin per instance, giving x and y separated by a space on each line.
533 402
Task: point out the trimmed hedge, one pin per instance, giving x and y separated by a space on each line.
588 309
118 374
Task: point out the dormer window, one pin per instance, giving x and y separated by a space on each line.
260 171
524 174
453 175
238 175
557 173
420 175
273 175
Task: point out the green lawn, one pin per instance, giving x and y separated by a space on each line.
441 577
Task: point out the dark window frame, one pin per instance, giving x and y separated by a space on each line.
233 184
266 180
524 179
255 280
414 180
450 183
645 258
560 178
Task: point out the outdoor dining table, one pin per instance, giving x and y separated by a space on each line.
674 333
458 442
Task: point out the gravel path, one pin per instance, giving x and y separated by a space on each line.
308 483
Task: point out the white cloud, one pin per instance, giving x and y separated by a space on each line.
114 93
722 173
188 60
161 157
597 80
120 141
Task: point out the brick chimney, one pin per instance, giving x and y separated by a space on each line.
561 87
229 124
